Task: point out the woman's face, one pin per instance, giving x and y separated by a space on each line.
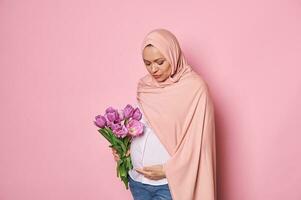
156 64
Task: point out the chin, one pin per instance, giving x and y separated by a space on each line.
161 79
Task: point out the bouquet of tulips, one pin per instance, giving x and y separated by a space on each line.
119 127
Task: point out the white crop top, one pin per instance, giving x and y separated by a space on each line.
146 150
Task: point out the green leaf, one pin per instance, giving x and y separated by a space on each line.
122 171
105 135
127 142
128 162
114 140
120 143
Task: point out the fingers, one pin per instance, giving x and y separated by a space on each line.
147 168
128 152
146 174
116 155
142 172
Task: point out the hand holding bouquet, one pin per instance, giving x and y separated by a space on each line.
119 127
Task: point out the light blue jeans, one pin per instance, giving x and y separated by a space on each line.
142 191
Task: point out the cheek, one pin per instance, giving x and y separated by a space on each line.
149 69
167 69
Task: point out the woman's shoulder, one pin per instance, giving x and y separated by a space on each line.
195 82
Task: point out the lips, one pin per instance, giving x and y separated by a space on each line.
156 76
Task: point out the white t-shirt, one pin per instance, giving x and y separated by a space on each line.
146 150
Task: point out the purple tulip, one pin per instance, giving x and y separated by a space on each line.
115 126
110 109
128 111
137 115
100 121
121 115
109 124
135 128
112 114
121 131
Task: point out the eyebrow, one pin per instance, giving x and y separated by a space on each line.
154 60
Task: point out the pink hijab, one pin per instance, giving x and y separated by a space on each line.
181 113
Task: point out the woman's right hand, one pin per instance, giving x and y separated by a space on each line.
116 156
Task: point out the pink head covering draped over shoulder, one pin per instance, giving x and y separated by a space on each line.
181 113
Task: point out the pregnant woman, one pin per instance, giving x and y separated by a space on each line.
175 158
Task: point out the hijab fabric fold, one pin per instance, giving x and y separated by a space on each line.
181 113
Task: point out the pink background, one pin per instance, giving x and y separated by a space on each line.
63 62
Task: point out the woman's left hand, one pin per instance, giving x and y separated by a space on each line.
154 172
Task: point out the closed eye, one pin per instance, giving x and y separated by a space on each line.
160 63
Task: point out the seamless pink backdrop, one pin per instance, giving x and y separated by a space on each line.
63 62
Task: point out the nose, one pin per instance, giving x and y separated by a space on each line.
154 68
